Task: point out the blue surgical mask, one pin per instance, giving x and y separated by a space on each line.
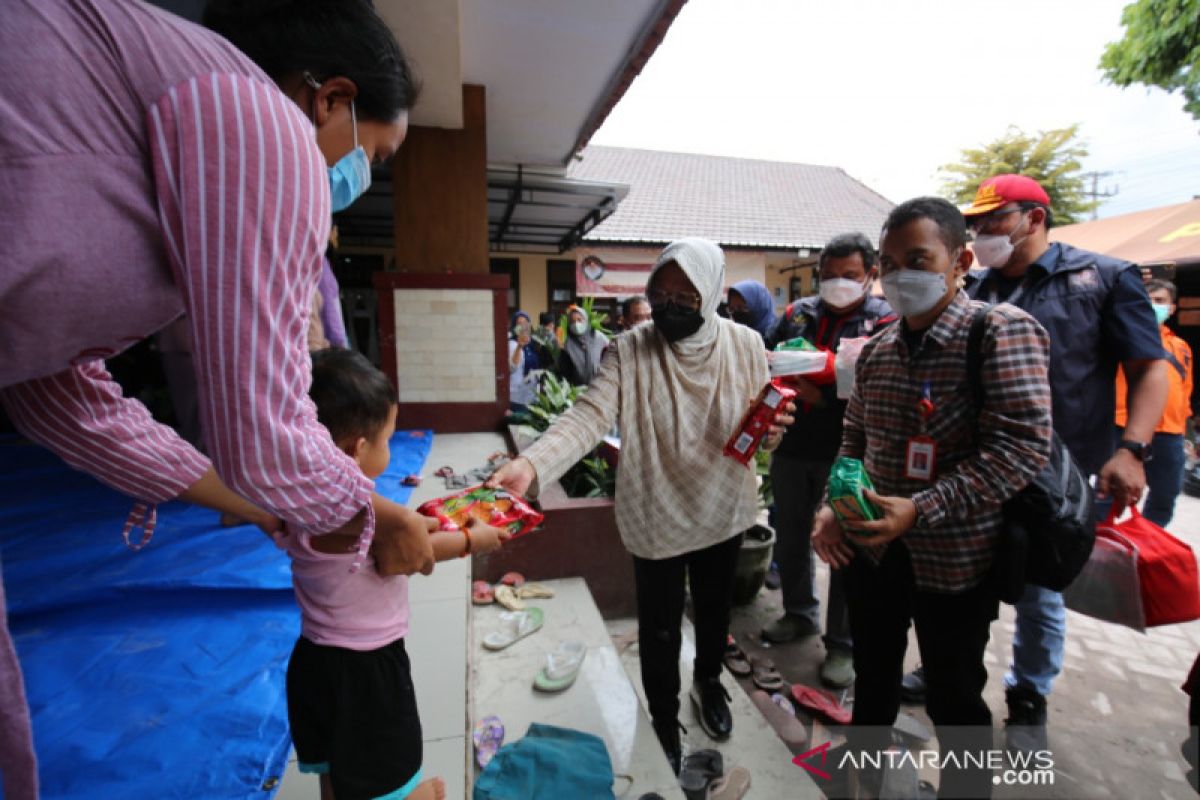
1161 312
350 177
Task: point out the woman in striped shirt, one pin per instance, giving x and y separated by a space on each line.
151 169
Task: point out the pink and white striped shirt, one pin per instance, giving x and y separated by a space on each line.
150 169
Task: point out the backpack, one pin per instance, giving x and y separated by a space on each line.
1049 526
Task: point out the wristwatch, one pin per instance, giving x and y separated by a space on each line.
1140 450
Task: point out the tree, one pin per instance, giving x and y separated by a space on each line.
1052 158
1161 47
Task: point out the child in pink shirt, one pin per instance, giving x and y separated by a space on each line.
351 704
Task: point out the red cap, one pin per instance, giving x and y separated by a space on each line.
1000 190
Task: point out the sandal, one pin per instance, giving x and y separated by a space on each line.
534 591
513 579
514 625
820 703
782 720
507 597
481 593
698 770
735 659
765 676
562 667
487 736
732 787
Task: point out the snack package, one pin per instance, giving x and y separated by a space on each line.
847 357
745 441
847 479
496 507
799 343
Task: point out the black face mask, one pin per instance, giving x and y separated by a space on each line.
676 323
743 318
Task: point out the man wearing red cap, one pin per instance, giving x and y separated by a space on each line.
1098 315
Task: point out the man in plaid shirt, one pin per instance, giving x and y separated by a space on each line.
941 469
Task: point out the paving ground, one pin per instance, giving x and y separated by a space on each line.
1117 714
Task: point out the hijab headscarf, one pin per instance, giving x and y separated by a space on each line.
584 350
759 303
532 359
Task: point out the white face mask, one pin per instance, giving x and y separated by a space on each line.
841 292
913 292
579 327
993 250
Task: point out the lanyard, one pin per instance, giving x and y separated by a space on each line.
1014 298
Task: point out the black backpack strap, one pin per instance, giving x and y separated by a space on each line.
1175 363
975 354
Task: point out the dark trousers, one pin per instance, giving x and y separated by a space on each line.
798 487
660 597
952 633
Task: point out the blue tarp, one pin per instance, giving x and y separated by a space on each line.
158 673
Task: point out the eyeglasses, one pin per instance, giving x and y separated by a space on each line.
987 223
658 297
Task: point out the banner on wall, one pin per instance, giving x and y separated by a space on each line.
598 276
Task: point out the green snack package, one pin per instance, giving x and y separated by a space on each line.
847 480
799 343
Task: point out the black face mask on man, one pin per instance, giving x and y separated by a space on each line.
676 322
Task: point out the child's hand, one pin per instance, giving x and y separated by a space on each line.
485 538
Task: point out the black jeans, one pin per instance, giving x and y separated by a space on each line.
710 574
952 633
799 486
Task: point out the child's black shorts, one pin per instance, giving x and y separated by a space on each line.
354 715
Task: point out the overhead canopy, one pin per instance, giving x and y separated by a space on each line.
1159 235
528 211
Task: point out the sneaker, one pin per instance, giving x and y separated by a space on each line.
712 707
1025 728
912 686
789 628
667 732
838 669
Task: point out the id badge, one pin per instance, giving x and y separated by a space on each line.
920 462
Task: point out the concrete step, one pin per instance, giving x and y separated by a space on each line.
602 701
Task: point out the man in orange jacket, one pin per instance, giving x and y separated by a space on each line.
1164 467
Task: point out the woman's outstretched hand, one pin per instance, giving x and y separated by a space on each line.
516 476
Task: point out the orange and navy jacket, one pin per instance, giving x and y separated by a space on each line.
1179 397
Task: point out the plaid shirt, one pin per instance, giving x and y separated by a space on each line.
983 458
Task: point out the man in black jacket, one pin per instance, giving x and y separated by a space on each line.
800 467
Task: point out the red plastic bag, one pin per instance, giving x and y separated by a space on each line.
1162 567
496 507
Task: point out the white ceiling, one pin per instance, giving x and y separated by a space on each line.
547 65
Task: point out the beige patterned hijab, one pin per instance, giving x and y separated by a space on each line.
678 404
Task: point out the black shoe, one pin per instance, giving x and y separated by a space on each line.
667 732
1025 728
772 580
912 686
712 707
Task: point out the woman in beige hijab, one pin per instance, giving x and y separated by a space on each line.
678 389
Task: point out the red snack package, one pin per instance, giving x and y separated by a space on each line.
496 507
745 441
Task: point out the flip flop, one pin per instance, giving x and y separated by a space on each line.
488 736
507 597
513 579
765 676
534 591
698 770
514 625
735 659
820 703
562 667
732 787
481 593
782 720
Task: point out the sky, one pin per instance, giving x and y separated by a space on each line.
890 91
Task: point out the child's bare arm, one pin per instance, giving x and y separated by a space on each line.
449 545
211 492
